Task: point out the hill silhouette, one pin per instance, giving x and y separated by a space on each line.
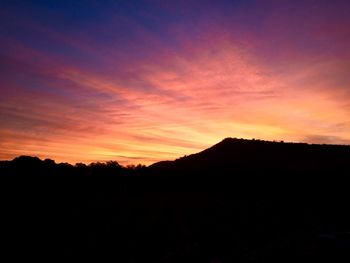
232 153
237 201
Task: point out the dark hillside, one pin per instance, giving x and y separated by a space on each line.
238 201
263 157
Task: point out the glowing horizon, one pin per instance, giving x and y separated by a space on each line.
140 83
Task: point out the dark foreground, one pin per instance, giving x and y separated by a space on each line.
183 213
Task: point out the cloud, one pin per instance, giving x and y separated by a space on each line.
152 91
326 139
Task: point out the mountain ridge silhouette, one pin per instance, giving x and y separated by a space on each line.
233 153
225 149
237 201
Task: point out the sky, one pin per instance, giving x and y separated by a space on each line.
144 81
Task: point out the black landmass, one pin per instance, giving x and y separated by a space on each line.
238 201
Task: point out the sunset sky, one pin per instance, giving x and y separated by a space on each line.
143 81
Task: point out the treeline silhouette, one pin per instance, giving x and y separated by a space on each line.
28 166
238 201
